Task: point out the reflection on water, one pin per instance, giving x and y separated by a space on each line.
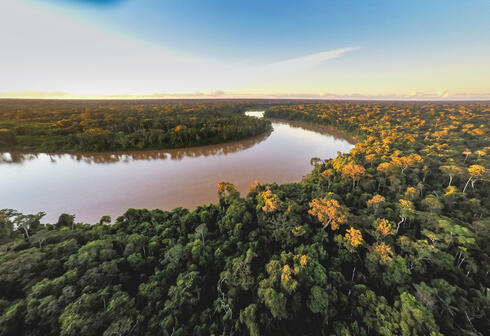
134 155
94 184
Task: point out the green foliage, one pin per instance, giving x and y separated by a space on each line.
415 319
318 300
121 125
261 264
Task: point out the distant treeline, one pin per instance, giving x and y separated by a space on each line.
119 125
390 239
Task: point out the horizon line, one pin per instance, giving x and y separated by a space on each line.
258 98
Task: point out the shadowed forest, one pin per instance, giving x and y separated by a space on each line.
389 239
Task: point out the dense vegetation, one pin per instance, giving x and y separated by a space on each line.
116 125
390 239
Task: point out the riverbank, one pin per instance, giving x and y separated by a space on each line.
325 129
227 147
92 184
96 127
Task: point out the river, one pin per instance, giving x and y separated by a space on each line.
90 185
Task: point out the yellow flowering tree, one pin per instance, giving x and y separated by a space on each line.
268 201
353 237
476 172
411 193
383 227
327 173
354 171
328 212
375 201
383 251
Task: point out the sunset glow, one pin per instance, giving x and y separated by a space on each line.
153 49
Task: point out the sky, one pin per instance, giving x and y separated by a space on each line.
365 49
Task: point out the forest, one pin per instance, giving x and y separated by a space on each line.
50 125
389 239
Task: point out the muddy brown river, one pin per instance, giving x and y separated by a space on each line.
91 185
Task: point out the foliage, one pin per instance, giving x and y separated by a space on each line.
413 259
120 125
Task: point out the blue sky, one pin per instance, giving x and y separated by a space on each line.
391 48
269 30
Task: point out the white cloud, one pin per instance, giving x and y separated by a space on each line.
304 62
44 51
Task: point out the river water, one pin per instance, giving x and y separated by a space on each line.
91 185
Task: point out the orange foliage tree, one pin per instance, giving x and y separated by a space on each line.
353 237
383 227
328 212
383 251
269 202
353 171
404 162
375 201
476 172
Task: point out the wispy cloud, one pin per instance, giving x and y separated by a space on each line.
305 62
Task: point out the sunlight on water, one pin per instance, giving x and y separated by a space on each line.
94 184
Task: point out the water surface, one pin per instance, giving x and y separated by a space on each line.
94 184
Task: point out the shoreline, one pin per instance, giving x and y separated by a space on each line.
323 129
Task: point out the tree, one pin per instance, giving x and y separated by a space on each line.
480 153
40 237
6 224
383 227
416 320
276 303
27 222
66 220
314 161
287 281
248 317
383 251
375 201
354 171
268 201
406 210
254 186
411 193
327 173
227 190
432 204
405 162
452 171
184 294
328 211
318 300
476 172
353 237
202 230
386 168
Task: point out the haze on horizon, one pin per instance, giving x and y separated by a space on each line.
279 49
